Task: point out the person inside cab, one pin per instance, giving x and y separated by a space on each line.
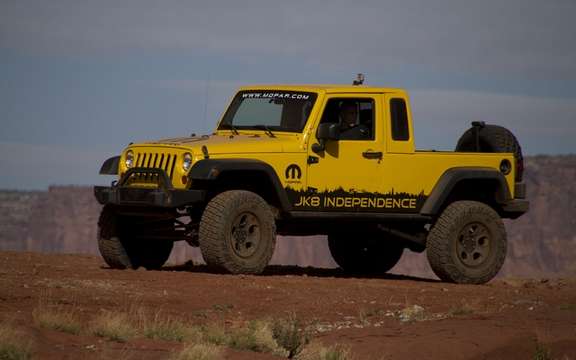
350 129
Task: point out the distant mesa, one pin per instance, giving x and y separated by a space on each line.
541 243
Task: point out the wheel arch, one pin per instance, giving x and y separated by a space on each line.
486 185
218 175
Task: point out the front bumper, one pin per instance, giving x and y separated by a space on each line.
162 196
147 197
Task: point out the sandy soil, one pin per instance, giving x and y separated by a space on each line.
505 319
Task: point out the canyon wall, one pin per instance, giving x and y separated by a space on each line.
541 243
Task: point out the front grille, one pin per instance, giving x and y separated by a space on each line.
166 162
163 161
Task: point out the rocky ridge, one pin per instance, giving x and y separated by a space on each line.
541 243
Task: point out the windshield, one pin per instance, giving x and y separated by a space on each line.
272 110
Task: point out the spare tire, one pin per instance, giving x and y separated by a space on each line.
492 139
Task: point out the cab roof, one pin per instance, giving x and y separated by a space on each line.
328 88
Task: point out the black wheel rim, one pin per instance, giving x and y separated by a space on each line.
245 235
473 245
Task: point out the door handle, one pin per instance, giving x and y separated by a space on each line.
369 154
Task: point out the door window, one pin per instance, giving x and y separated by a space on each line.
354 116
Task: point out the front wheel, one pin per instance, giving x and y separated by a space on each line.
120 249
367 254
467 244
237 232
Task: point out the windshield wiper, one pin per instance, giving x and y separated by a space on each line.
265 128
230 127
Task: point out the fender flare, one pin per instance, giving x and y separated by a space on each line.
453 176
212 169
110 166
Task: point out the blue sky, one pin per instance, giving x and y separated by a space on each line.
81 79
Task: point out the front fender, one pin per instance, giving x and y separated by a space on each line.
212 169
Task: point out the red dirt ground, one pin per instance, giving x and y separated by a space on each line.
505 319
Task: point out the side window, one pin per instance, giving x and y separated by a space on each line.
354 116
399 118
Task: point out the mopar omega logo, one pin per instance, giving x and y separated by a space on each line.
293 172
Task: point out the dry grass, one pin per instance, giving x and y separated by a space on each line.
283 338
164 327
114 326
568 307
256 336
213 334
316 351
103 285
412 313
364 315
57 318
12 344
461 310
199 352
542 352
108 351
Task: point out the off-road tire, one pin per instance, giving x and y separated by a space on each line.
229 244
365 254
120 251
474 258
493 139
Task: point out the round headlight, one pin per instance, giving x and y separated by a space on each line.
129 159
187 162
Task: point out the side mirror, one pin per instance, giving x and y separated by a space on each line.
326 131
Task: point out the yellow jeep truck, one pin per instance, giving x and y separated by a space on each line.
316 159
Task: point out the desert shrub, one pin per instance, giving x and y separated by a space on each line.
12 344
290 335
256 336
198 352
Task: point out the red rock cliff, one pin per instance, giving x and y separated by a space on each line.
541 243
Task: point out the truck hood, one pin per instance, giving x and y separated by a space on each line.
233 144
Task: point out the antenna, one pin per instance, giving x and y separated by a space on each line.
206 98
359 79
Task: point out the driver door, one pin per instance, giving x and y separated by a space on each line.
347 174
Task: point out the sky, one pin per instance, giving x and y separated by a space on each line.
79 80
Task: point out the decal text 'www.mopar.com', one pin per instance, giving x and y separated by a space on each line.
276 95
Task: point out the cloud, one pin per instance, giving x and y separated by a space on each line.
76 69
516 38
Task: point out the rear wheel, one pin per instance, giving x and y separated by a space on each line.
120 249
369 254
467 244
237 232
